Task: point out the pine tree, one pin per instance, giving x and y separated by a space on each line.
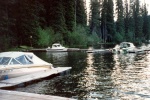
6 24
70 10
126 19
58 22
107 20
146 23
110 19
81 13
120 18
104 20
56 19
138 22
131 23
27 21
95 17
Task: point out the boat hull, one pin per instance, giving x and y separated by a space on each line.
57 50
7 73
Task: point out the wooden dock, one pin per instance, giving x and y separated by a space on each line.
14 95
31 77
51 50
99 51
73 50
38 50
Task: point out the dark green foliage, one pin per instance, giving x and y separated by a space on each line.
126 19
59 19
27 22
104 20
118 37
107 21
94 15
129 29
93 39
110 18
138 22
78 37
81 17
120 18
148 34
45 37
146 23
6 24
129 37
95 18
70 11
55 15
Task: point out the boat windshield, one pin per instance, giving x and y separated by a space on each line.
24 60
128 45
4 60
14 62
124 45
56 46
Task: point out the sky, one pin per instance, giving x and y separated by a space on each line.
148 4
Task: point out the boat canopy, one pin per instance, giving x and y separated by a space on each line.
20 58
57 46
126 45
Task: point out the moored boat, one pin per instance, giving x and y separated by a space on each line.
14 64
57 47
126 47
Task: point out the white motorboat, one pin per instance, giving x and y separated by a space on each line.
125 47
57 47
14 64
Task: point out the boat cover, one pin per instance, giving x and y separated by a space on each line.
20 58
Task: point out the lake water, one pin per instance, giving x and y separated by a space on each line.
96 76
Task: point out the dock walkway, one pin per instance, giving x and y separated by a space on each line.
31 77
14 95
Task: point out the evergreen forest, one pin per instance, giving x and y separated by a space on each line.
40 23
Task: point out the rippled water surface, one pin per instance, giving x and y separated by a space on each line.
97 76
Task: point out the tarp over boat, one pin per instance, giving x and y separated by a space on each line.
25 64
20 58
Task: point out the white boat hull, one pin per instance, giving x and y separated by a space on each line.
57 50
15 64
16 72
126 47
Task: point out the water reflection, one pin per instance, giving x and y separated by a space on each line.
96 76
96 81
58 58
129 77
124 59
89 77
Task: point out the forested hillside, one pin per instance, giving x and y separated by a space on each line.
40 23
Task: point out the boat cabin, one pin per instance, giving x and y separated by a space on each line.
57 46
126 45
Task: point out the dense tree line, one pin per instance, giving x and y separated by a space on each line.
39 23
131 24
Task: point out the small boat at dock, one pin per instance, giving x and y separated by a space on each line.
126 47
57 47
14 64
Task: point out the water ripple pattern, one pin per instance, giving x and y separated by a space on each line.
98 76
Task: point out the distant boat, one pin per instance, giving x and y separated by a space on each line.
14 64
125 47
57 47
